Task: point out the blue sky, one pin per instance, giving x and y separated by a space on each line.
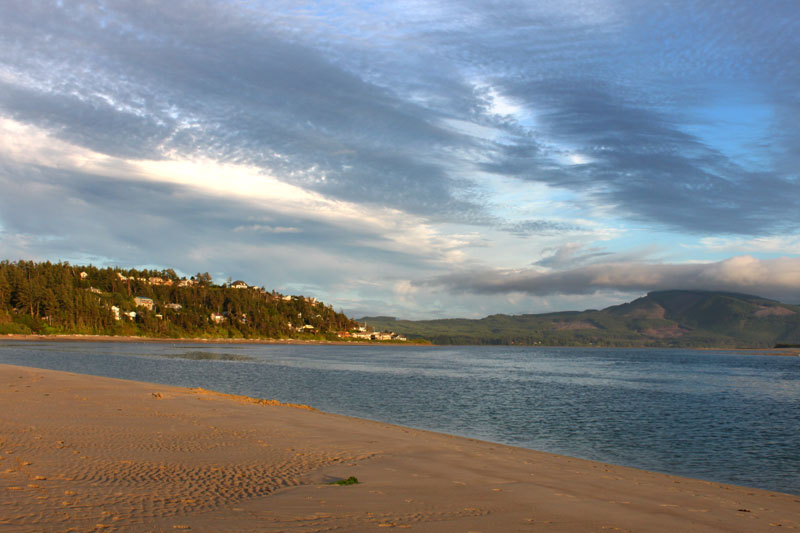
416 159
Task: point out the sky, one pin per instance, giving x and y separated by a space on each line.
413 159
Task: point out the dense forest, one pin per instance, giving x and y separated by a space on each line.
59 298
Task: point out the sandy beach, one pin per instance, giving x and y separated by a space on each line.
82 453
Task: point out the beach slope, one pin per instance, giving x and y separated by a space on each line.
86 453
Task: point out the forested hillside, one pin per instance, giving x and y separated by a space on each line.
662 318
50 298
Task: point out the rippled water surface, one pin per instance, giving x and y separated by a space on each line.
721 416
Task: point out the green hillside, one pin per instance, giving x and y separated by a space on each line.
662 318
48 298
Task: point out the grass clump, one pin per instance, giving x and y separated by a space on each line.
352 480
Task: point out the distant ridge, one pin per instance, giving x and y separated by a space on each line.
679 318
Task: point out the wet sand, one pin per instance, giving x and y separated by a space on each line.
82 453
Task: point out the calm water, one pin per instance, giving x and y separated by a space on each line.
713 415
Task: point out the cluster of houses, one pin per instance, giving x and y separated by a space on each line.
363 333
147 303
159 281
216 318
155 280
374 335
140 301
117 314
238 284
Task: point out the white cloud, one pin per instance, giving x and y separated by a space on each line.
505 106
381 227
777 278
578 159
472 129
778 244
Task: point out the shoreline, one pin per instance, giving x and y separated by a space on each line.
73 337
100 453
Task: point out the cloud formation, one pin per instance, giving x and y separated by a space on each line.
777 278
400 141
145 81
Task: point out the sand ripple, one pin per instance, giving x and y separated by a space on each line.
96 464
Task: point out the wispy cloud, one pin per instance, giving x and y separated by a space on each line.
268 229
402 140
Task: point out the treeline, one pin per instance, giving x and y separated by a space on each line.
59 298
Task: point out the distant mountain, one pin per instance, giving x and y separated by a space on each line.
662 318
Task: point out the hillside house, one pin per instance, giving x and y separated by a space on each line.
239 285
217 318
174 307
373 336
142 301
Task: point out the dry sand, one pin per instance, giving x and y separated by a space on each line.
81 453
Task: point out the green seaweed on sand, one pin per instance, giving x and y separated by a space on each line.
352 480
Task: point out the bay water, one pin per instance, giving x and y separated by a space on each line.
721 416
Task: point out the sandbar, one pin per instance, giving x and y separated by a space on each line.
84 453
